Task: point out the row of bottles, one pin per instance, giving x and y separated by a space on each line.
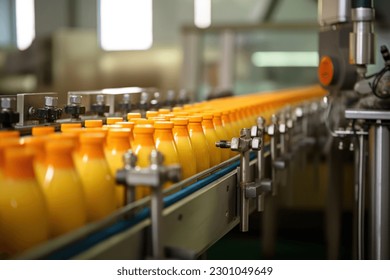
52 183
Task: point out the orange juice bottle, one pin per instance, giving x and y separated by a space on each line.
221 134
165 144
37 145
143 146
129 125
63 189
98 183
6 143
212 138
23 212
117 144
184 148
42 130
199 143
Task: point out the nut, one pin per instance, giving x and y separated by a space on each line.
75 99
271 130
51 101
234 144
254 131
6 103
256 143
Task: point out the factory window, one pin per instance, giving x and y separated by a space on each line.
17 23
125 24
285 59
202 13
25 23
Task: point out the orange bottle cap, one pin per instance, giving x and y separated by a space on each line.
126 124
143 121
113 120
180 121
207 116
150 114
164 111
177 109
92 138
163 125
133 115
19 163
66 126
143 128
326 71
9 134
36 144
119 133
217 114
93 123
195 119
180 114
42 130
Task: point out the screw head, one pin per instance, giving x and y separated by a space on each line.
51 101
6 103
75 99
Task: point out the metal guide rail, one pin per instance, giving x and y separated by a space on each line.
200 210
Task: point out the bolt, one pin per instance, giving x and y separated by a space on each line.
282 128
254 131
351 146
126 98
234 144
156 158
256 143
341 145
75 99
100 99
130 159
298 112
6 103
260 122
51 101
271 130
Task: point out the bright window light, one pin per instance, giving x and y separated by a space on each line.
126 24
202 13
25 23
285 59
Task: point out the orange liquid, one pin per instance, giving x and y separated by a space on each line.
23 215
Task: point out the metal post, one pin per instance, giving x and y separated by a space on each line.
360 160
156 215
379 162
244 167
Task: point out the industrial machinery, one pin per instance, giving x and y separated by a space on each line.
273 135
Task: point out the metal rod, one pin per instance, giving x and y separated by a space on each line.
360 195
244 213
260 176
156 216
379 229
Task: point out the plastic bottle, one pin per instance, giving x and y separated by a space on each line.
63 189
185 152
98 183
23 212
129 125
143 146
37 145
212 138
117 144
165 144
6 143
199 143
221 134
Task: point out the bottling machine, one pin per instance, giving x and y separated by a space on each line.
349 112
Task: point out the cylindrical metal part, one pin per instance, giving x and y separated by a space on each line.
379 144
156 216
244 207
360 159
362 39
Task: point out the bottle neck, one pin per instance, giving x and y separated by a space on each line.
143 139
195 127
163 134
180 130
118 143
91 150
207 124
60 159
217 121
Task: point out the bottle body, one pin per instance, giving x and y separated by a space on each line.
199 144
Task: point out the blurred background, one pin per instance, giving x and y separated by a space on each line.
205 46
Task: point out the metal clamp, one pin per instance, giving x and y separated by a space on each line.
100 107
244 144
73 108
153 176
49 113
8 117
